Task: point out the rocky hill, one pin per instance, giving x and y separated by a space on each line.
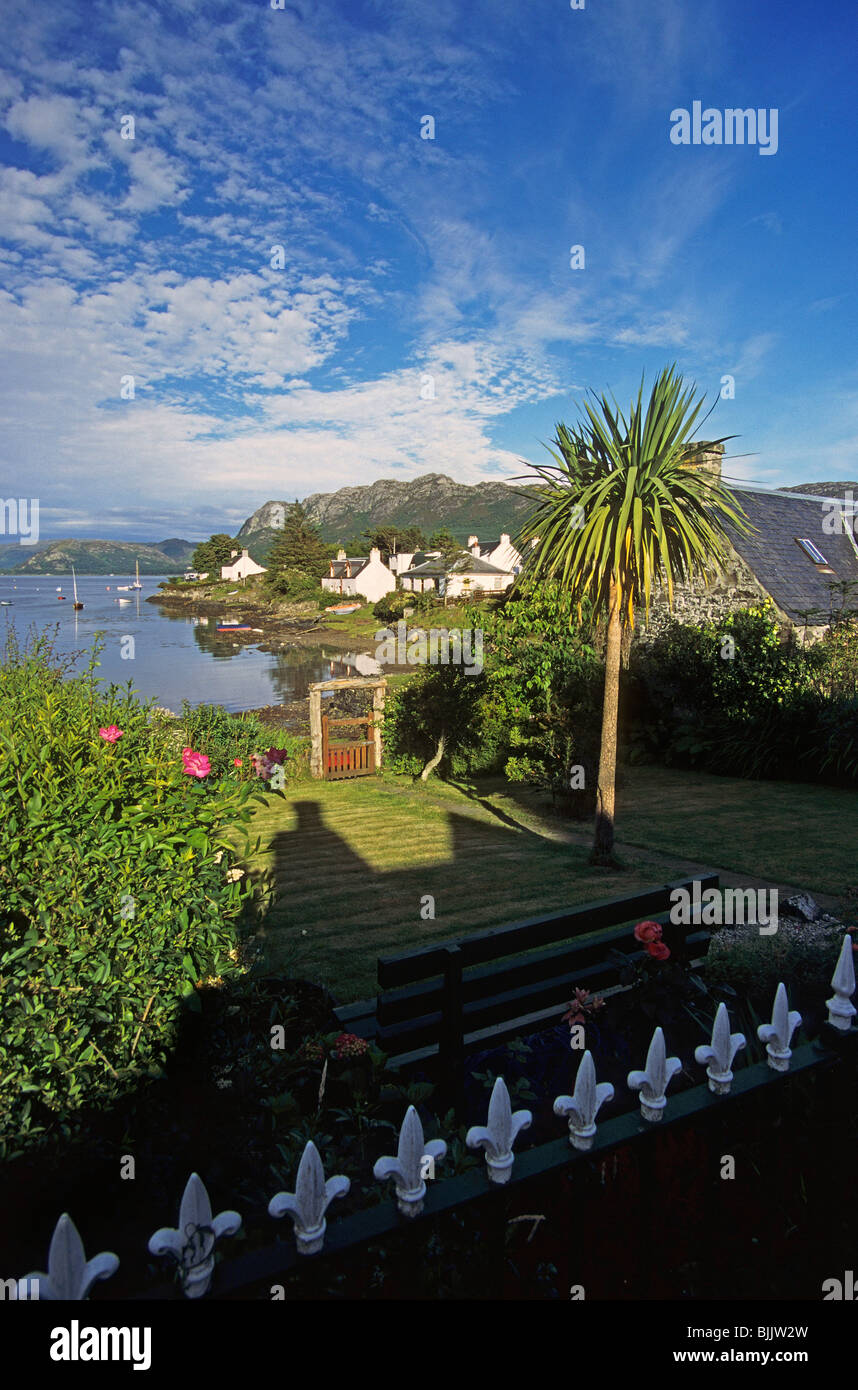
824 489
102 557
430 501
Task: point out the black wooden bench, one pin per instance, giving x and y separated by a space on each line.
439 1001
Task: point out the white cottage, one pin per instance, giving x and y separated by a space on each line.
469 575
502 553
366 576
242 567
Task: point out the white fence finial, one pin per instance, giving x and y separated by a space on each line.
582 1107
310 1200
777 1035
192 1242
70 1274
654 1081
720 1052
498 1137
840 1011
407 1166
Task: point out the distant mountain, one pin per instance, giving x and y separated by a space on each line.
824 489
431 501
101 557
12 553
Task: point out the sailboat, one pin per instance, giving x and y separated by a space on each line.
137 584
77 603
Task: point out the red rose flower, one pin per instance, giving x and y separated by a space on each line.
658 950
647 931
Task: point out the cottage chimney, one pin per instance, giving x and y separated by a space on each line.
341 555
707 459
504 540
375 555
472 541
245 554
232 554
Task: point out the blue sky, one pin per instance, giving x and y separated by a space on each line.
426 317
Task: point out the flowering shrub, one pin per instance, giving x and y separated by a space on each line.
349 1045
229 740
114 895
337 1048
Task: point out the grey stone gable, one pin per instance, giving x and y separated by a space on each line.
780 564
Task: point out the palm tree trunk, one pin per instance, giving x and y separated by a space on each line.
603 845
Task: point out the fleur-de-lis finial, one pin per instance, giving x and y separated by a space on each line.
70 1274
840 1010
582 1107
498 1137
778 1034
654 1081
192 1242
407 1166
310 1200
719 1053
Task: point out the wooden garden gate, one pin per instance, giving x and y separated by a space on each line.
341 756
353 757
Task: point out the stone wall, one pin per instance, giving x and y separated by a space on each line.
735 587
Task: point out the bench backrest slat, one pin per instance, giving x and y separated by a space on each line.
481 947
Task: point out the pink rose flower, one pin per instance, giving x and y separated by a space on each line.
111 734
195 764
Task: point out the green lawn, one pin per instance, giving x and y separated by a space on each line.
791 832
352 860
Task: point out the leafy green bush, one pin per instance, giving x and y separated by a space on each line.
761 707
533 712
297 586
439 702
391 607
114 895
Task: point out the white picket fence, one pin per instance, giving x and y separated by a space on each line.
191 1244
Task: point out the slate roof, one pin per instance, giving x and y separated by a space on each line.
780 564
469 564
355 563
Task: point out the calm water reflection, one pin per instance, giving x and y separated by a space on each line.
169 656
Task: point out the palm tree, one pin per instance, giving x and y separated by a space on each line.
622 510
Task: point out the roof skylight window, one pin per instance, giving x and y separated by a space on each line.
810 549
